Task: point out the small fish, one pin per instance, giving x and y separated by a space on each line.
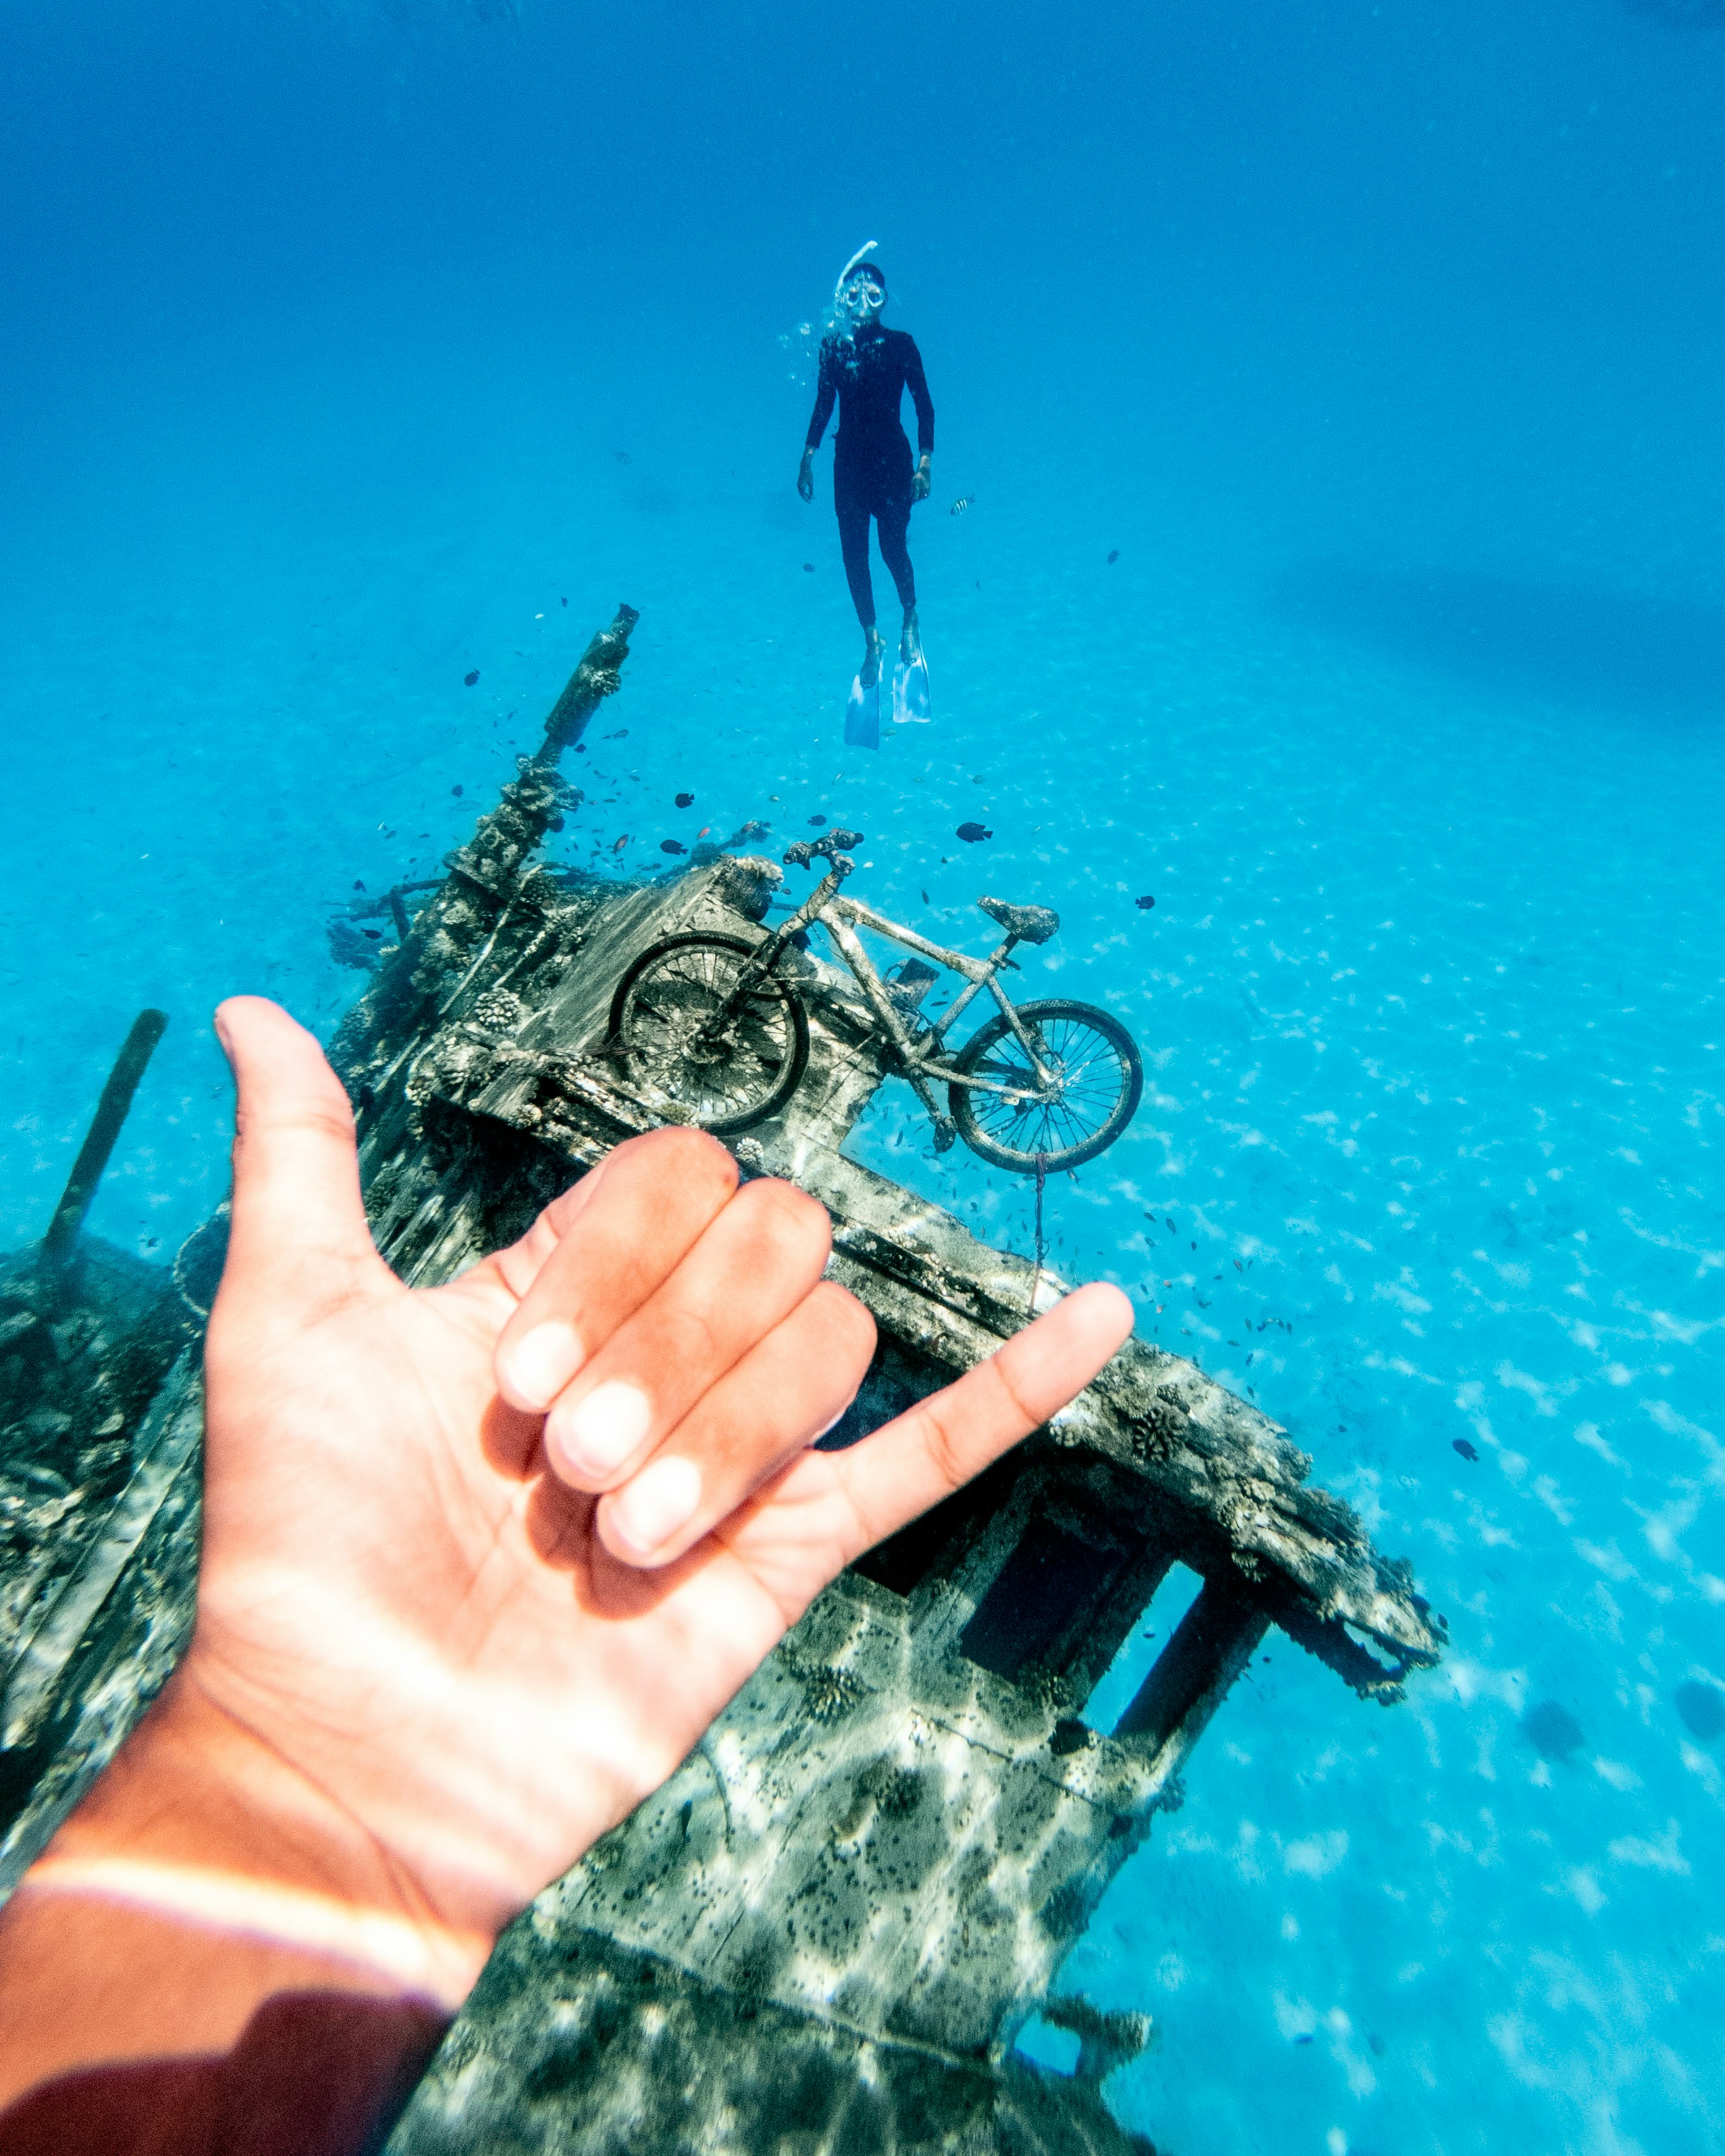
961 504
357 885
925 898
622 456
672 846
566 602
1143 905
621 844
472 679
1464 1446
1113 558
817 821
809 567
703 831
686 801
973 833
618 734
457 790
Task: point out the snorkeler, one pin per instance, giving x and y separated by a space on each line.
866 369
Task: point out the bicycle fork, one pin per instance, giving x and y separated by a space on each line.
767 956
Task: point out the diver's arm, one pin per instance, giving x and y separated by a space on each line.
826 396
917 384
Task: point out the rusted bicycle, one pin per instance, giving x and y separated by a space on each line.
710 1022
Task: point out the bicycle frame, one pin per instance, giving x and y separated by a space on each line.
920 1057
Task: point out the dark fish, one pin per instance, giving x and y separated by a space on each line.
621 844
1703 1709
686 801
621 455
925 898
1551 1730
973 833
1113 558
809 566
455 789
618 734
472 678
357 885
1144 905
672 846
961 504
566 602
817 821
1464 1447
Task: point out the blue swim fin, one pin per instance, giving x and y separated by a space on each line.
910 692
862 715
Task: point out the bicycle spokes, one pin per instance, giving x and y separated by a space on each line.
1018 1113
724 1043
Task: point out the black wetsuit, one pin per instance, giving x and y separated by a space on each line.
868 374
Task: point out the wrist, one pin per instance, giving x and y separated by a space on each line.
196 1800
204 1876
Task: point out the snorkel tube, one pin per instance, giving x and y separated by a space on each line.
868 246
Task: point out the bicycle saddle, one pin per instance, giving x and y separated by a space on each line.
1029 924
832 843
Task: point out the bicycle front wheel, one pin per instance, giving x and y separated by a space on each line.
1094 1082
723 1078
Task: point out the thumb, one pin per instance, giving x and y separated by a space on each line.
299 1231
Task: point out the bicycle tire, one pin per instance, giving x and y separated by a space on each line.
1112 1045
655 1041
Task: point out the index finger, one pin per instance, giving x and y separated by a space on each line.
648 1204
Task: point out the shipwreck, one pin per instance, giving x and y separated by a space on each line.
824 1933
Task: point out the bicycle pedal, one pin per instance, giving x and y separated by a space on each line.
946 1134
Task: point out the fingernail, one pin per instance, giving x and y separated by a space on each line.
599 1432
661 1499
543 1361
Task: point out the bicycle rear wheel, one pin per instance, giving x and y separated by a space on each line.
661 1017
1098 1080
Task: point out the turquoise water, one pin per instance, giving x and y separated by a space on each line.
1381 344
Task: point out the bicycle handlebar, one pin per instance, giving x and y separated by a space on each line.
831 844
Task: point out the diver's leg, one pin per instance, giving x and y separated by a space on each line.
892 518
851 502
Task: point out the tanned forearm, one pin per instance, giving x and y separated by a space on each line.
202 1885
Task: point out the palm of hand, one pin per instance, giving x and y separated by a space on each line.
405 1603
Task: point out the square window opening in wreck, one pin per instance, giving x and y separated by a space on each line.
1068 1582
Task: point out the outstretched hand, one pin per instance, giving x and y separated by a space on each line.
482 1561
805 476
